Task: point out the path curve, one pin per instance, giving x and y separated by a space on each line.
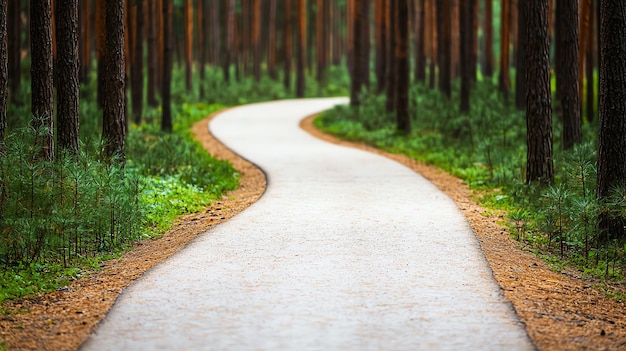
345 251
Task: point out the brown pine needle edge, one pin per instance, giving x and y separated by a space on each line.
560 312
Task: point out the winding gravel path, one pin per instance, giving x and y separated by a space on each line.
345 251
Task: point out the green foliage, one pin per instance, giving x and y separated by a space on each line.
487 148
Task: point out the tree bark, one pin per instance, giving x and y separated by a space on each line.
271 53
14 47
152 53
433 42
568 80
381 42
137 68
539 165
612 142
488 23
589 66
85 39
465 34
391 74
444 33
402 59
4 77
100 28
41 76
288 38
302 45
188 44
166 94
68 71
419 44
505 36
361 57
256 39
520 50
114 121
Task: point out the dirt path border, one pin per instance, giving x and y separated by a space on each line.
560 312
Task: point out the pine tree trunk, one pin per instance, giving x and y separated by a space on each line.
505 35
589 66
419 44
288 42
402 59
137 69
568 79
465 34
256 39
381 42
202 52
68 75
391 73
361 58
520 50
152 53
114 121
41 76
433 43
488 23
168 53
188 44
100 28
4 78
85 39
612 142
539 166
302 46
444 33
14 47
271 53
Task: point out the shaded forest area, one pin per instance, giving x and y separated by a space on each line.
522 99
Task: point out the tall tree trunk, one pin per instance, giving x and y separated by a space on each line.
488 23
403 117
505 36
465 34
612 142
444 33
361 58
381 43
433 43
230 38
114 121
288 39
200 18
137 69
14 47
100 28
474 63
589 65
152 53
68 75
168 53
569 94
256 39
391 73
454 39
520 50
321 40
302 45
4 79
271 54
188 44
419 43
539 166
41 76
85 41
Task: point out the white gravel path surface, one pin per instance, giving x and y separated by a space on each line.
345 251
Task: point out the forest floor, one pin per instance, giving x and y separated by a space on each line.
561 310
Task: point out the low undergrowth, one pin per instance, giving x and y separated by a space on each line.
487 149
59 220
